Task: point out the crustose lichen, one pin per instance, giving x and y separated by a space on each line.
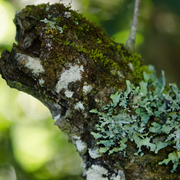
147 114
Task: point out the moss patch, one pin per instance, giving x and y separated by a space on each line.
65 35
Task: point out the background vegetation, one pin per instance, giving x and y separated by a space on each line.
31 147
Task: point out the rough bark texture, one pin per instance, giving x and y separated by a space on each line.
72 67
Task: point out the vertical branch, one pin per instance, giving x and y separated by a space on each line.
130 43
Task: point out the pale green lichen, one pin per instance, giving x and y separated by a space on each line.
52 24
147 114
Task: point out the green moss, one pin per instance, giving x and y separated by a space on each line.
17 84
147 114
40 94
65 37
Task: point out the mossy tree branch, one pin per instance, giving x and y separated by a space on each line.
72 67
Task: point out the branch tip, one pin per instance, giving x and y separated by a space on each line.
130 43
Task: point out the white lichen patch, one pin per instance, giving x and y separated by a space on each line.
57 117
55 111
96 172
80 145
41 81
87 88
67 14
57 106
33 64
131 66
79 105
49 46
83 165
94 153
120 176
71 75
68 93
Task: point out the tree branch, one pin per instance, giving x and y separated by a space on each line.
112 107
130 43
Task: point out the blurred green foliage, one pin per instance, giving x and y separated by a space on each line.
31 147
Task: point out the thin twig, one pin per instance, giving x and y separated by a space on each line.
130 43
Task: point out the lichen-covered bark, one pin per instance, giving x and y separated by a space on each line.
72 66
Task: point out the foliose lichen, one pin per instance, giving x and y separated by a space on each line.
147 114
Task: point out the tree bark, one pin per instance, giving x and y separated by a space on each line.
72 67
